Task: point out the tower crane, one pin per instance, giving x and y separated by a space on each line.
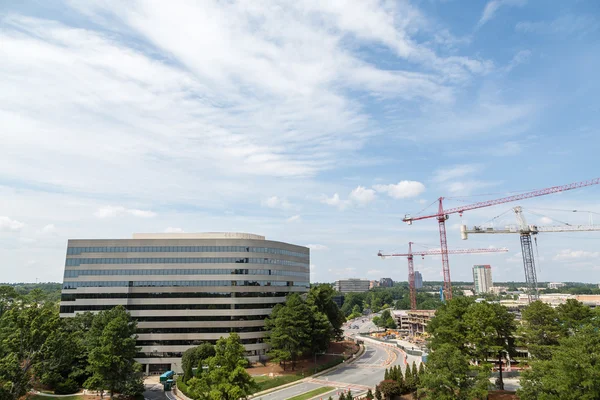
526 231
442 215
436 252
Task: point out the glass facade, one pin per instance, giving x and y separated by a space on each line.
73 273
91 266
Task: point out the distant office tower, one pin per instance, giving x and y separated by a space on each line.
482 278
418 280
386 282
352 285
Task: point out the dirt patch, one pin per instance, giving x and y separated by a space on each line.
307 364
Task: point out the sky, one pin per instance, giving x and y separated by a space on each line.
318 123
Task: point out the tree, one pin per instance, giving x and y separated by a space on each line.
409 382
389 389
369 395
226 377
573 372
386 320
378 394
540 329
320 331
491 330
290 330
8 296
112 351
448 325
321 296
449 376
196 357
574 314
24 329
356 312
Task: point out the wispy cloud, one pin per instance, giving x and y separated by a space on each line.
402 189
276 202
294 218
455 172
9 224
568 254
564 25
359 196
493 6
116 211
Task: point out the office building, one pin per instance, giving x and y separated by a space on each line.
386 282
185 289
418 280
556 285
352 285
482 278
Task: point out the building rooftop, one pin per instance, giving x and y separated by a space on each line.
203 235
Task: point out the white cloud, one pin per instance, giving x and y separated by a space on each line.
568 254
333 200
492 7
317 247
545 221
171 229
276 202
521 57
362 196
46 230
402 189
294 218
455 172
116 211
8 224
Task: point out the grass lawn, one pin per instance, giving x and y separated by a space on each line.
39 397
312 393
264 382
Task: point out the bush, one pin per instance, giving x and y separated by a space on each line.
67 387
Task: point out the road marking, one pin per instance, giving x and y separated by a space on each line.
338 384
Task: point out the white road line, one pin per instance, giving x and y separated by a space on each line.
170 396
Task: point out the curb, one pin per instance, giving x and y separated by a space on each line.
360 353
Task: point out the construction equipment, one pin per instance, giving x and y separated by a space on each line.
442 215
433 252
526 231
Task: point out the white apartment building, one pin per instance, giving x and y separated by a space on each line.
482 278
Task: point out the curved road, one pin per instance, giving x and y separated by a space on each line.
365 372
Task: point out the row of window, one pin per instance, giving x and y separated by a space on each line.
75 285
175 354
193 295
75 262
184 249
136 307
201 330
178 320
187 342
72 273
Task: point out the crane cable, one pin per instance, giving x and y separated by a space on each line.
537 254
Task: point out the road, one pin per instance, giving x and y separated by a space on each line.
365 372
155 390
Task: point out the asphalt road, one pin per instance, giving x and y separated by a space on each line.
365 372
154 391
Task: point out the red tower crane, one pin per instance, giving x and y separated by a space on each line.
442 215
436 252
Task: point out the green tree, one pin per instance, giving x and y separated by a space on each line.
369 395
409 381
387 320
24 330
491 332
290 330
540 330
574 314
388 389
356 312
448 326
321 296
196 357
573 372
320 331
449 376
112 351
8 297
226 377
351 300
378 394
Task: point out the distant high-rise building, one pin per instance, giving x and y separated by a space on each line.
352 285
418 280
482 278
386 282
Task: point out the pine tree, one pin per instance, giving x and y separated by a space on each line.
342 396
408 379
421 369
378 395
369 395
415 375
349 395
400 380
386 376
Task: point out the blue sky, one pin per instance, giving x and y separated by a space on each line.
316 123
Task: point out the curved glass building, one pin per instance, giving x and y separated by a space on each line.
185 289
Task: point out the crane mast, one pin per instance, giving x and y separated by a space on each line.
526 232
442 215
